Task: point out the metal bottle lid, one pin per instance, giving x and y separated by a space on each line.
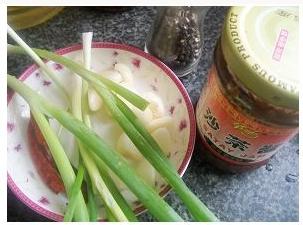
261 48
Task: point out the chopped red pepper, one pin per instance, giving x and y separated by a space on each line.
42 158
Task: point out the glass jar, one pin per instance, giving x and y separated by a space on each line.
22 17
176 37
250 104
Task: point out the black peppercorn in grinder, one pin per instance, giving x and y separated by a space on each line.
176 37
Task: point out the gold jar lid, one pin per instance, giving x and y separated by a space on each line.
261 48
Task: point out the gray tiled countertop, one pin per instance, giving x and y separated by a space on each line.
266 194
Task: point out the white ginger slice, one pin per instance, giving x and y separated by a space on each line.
165 121
156 105
126 147
125 71
162 137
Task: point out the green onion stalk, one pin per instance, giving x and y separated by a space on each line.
98 182
139 136
64 167
147 195
91 202
104 171
127 210
73 193
194 205
86 74
76 110
199 211
92 169
47 71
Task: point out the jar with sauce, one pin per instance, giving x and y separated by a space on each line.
250 105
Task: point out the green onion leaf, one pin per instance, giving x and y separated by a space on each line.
73 195
39 62
89 76
147 195
91 204
64 167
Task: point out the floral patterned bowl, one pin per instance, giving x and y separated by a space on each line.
150 75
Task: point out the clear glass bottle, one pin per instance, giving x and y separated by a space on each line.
176 37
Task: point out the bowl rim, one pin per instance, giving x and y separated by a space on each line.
108 45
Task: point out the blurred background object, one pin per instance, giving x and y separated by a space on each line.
21 17
113 9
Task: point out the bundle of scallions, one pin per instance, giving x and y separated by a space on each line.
97 158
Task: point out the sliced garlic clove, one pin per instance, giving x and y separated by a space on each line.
129 196
112 75
156 105
94 100
147 172
127 85
125 71
144 116
113 133
126 147
165 121
162 137
120 184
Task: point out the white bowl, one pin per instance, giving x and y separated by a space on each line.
150 74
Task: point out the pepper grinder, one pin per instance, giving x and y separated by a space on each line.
176 37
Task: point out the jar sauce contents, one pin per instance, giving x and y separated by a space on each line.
240 128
